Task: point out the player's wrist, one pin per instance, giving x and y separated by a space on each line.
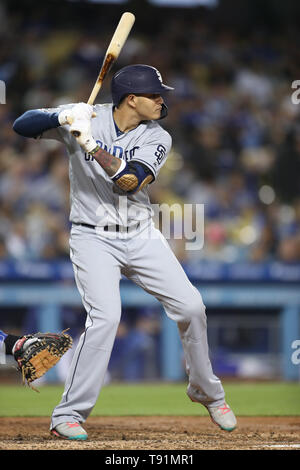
90 145
120 169
10 342
95 149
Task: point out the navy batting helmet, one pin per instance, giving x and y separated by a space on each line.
137 79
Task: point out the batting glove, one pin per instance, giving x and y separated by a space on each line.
82 131
78 111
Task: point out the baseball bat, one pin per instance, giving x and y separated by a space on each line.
112 53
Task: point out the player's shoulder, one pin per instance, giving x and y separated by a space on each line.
156 130
103 107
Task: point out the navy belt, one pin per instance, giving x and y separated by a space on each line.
111 228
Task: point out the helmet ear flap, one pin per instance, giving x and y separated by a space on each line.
164 111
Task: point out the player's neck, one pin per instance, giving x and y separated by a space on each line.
125 120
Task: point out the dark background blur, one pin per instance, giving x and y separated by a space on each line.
235 128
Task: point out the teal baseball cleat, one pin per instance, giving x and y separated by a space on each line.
223 417
70 431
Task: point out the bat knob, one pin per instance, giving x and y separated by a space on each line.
75 133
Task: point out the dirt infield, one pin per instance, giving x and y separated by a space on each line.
155 433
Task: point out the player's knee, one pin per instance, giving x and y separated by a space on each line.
110 319
195 308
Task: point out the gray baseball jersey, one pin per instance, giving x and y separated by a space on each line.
95 199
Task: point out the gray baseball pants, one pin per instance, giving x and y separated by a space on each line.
99 259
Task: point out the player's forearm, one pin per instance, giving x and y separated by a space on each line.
106 160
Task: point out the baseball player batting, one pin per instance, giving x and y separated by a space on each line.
118 151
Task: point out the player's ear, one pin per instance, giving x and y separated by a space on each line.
131 100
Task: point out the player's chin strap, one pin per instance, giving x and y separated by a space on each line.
132 177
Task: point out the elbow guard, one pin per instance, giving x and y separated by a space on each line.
132 177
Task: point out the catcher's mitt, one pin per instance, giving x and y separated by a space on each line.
37 353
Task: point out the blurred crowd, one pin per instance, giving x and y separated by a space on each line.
236 145
136 354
